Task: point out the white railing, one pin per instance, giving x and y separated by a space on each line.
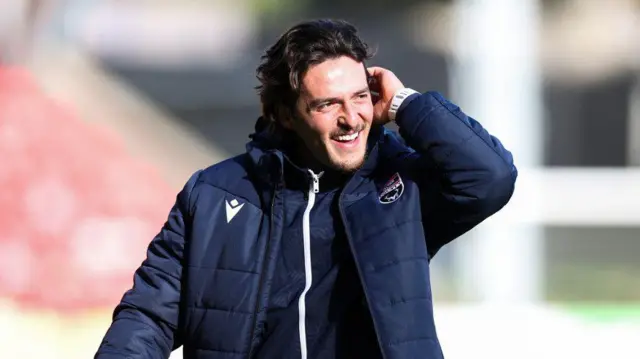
574 197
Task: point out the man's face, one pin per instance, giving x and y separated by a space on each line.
334 113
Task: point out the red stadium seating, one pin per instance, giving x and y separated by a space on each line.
76 210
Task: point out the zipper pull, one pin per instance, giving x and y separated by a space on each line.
315 181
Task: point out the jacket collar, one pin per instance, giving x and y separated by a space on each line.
270 142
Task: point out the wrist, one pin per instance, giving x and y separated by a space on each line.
398 99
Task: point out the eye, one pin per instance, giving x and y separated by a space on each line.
362 97
325 106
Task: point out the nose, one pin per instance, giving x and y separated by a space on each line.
349 116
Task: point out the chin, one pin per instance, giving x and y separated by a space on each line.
348 165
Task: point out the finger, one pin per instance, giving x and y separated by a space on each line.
373 78
375 96
374 87
375 71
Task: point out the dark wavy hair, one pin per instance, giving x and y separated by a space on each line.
306 44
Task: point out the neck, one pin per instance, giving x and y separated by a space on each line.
302 158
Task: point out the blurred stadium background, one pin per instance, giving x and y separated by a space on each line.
107 106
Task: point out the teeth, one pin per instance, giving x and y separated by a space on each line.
347 138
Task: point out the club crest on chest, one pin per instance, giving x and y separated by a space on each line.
392 190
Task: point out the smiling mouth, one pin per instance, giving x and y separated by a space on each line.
347 138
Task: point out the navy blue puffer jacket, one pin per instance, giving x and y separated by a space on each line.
206 281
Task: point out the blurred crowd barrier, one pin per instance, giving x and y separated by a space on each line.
106 108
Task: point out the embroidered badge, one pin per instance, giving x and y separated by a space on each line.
392 190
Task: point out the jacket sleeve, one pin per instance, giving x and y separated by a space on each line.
465 174
145 321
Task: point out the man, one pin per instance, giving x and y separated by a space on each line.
316 243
